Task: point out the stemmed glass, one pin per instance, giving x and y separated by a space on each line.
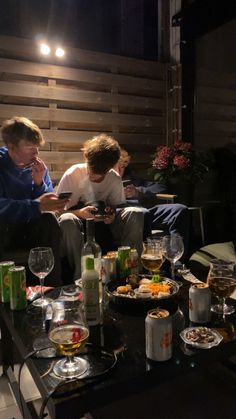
223 268
173 249
152 255
68 333
222 287
41 263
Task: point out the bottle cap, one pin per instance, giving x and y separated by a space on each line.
89 264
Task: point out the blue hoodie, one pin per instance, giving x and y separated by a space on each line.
18 192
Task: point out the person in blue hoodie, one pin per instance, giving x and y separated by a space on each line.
27 200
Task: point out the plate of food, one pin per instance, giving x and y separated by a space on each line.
141 289
201 337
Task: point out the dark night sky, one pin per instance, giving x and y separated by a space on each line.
102 25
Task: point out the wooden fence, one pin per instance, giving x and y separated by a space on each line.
90 93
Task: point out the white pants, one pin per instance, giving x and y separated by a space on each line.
127 230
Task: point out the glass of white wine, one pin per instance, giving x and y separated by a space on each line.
68 333
152 255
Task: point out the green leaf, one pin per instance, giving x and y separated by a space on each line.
156 278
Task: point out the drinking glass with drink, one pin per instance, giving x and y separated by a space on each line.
68 333
152 255
219 268
221 287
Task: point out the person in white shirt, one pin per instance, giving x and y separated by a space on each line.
93 181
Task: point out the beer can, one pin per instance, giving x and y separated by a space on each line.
123 260
134 265
199 303
158 331
4 280
108 268
17 288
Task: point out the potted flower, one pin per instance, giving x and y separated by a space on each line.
179 167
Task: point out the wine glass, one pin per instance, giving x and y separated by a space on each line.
220 267
68 333
41 263
221 287
152 255
173 249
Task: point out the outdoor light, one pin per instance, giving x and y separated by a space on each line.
45 49
59 52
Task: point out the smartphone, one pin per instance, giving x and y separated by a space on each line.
64 195
127 182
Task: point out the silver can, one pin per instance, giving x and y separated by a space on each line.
108 268
199 303
134 265
158 331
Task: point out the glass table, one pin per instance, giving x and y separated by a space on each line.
119 343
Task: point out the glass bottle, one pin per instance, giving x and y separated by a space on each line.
90 287
92 249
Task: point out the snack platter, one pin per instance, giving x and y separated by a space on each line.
201 337
142 289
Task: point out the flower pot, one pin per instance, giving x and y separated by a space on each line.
183 189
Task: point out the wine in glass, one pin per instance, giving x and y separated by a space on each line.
221 287
68 333
173 249
220 267
152 256
41 263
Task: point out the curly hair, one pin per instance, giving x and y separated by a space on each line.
20 128
101 153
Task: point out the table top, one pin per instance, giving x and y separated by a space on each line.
122 333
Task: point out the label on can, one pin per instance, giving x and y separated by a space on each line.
199 303
17 288
158 331
123 259
4 280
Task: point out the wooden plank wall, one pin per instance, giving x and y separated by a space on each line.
215 115
90 93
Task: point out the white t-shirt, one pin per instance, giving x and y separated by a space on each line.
76 180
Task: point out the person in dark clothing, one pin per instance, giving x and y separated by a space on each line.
27 201
171 218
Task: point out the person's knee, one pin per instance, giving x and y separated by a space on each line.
69 224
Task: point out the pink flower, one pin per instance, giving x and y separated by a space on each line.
180 145
181 162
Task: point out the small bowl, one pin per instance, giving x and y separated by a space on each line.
143 293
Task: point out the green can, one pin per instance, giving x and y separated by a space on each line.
5 280
124 261
17 288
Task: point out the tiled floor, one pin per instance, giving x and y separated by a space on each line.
8 406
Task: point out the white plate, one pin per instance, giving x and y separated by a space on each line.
217 338
78 282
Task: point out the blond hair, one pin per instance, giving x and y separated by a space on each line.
124 158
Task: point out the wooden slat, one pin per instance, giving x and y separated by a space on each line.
81 117
59 157
26 48
208 126
81 76
216 79
216 109
59 94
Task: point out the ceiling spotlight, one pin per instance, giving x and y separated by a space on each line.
60 52
45 49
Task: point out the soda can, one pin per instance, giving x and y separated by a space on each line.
158 331
199 303
123 260
4 280
17 288
108 268
134 265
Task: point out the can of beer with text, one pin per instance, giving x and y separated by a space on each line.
158 334
123 260
134 265
199 303
4 280
17 288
